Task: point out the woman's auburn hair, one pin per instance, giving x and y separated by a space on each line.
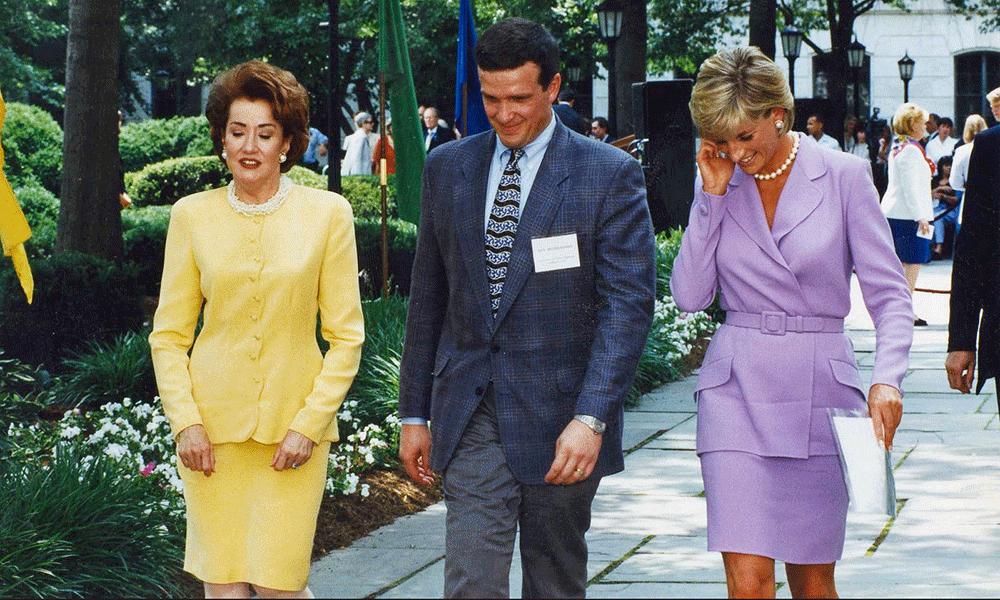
258 80
735 87
906 118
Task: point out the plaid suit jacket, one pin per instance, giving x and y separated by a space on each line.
563 342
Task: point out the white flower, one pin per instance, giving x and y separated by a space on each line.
365 490
345 415
69 433
115 450
126 402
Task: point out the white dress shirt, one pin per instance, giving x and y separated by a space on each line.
938 147
828 142
960 167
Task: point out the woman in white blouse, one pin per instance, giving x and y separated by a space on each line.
907 203
960 167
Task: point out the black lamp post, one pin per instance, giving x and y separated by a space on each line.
333 104
906 74
609 19
855 59
791 45
574 74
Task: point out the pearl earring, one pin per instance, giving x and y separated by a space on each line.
282 158
224 155
779 124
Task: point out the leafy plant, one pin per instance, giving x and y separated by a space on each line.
41 209
402 238
33 146
144 230
85 525
170 180
107 371
376 387
143 143
365 195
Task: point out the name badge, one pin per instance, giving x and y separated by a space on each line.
554 253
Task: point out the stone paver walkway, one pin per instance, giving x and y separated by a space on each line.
648 533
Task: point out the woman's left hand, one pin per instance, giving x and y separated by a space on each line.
885 405
293 452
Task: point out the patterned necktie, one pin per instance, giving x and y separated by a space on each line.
502 227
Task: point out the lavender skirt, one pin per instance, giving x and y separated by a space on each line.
789 509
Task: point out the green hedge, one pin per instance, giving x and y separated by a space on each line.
147 142
365 195
32 143
78 297
144 230
402 248
41 208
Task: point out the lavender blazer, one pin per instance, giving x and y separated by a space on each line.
767 392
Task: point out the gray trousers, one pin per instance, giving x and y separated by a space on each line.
486 504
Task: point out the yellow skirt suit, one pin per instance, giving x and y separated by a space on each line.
255 371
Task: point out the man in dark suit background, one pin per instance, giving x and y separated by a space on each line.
532 295
567 113
599 130
975 277
434 134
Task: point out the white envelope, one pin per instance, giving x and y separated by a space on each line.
867 467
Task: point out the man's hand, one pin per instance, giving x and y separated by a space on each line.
293 452
885 405
415 453
195 450
961 368
576 454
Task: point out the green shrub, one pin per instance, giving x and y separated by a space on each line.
308 178
402 248
78 297
146 142
168 181
85 526
365 195
145 234
33 145
41 208
107 372
376 387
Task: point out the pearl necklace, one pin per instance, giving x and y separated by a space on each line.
264 208
784 166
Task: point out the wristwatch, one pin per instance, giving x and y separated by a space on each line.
596 425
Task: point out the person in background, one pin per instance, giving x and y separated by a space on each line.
435 133
251 400
311 158
358 147
814 125
847 137
994 99
942 143
880 170
388 152
124 200
777 226
930 129
600 130
907 203
567 113
858 142
945 205
960 167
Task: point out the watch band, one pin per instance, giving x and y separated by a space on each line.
596 425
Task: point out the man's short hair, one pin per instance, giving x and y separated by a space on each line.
361 118
601 122
993 96
514 42
567 95
946 121
818 117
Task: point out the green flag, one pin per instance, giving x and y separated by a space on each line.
394 62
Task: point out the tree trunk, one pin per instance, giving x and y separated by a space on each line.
630 63
89 214
840 73
762 25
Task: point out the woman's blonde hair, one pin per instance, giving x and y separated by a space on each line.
973 125
907 117
736 86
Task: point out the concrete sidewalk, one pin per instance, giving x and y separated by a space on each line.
648 533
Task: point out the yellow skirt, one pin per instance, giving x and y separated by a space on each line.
250 523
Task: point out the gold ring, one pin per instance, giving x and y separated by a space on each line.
579 471
295 466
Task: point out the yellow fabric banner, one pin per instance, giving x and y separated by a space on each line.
14 229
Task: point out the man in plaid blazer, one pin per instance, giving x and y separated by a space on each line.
532 296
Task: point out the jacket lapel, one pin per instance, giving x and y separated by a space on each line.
470 216
800 196
540 209
747 211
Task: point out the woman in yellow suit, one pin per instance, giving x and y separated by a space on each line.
253 408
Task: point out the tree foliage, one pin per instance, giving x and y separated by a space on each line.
33 51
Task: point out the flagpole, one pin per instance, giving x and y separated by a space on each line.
384 184
465 109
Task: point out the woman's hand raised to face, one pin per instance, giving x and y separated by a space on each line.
716 170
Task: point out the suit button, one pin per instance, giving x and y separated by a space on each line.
480 391
253 317
703 210
495 349
256 379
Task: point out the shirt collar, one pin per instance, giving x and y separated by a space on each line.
535 146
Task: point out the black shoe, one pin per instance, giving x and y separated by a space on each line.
918 322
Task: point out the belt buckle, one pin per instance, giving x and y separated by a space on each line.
773 322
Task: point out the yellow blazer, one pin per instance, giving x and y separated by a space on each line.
256 370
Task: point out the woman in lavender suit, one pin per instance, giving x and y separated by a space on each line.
778 238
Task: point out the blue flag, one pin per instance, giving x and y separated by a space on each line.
470 116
